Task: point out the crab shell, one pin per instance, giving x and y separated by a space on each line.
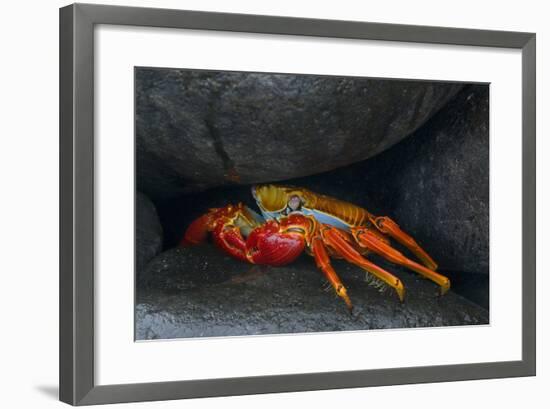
275 201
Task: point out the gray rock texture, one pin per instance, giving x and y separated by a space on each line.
199 129
441 190
148 232
435 183
196 292
180 269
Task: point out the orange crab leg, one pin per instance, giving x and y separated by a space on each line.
323 262
368 239
334 238
388 226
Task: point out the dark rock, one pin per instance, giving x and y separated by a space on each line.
182 268
199 129
473 286
435 183
148 232
240 299
442 188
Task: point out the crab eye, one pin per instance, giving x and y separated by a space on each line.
294 203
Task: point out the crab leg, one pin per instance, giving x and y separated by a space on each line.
388 226
323 262
368 239
334 238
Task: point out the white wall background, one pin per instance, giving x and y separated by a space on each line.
29 200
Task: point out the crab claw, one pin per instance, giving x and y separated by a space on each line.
237 231
197 232
270 244
226 225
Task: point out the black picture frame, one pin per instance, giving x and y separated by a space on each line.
77 21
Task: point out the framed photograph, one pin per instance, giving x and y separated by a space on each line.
257 204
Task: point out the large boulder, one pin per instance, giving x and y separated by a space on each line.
435 183
184 268
196 292
199 129
440 182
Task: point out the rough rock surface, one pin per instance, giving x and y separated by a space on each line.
180 269
201 129
441 190
435 184
148 232
207 296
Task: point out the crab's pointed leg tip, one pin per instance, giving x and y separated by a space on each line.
400 290
349 304
445 287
